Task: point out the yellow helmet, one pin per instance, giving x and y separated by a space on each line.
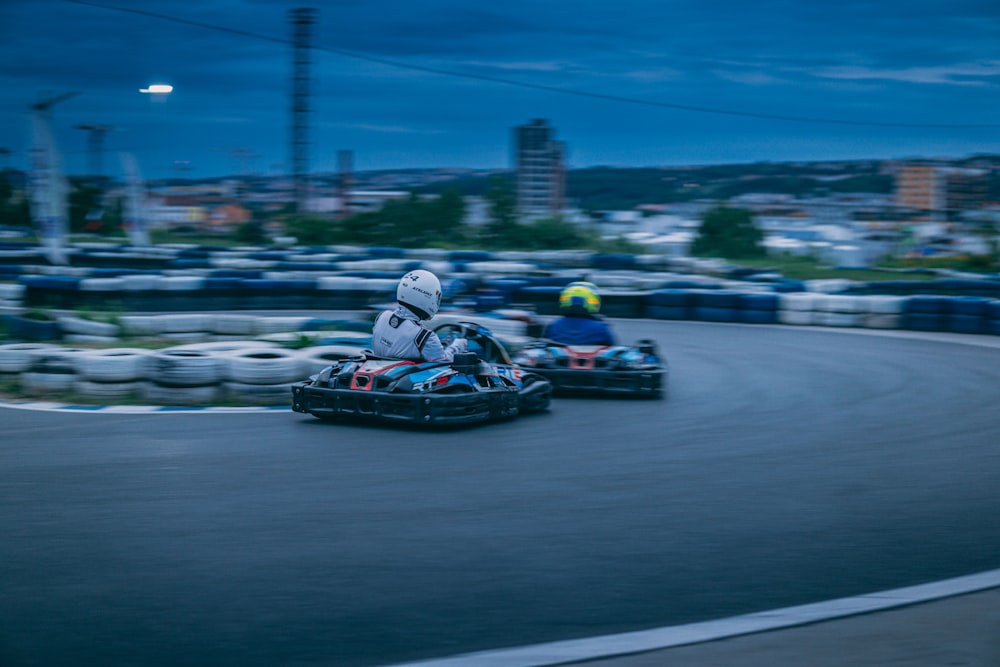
581 295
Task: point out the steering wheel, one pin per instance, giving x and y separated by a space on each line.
450 331
487 349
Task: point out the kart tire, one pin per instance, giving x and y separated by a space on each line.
157 394
184 368
36 382
16 357
107 390
113 365
259 394
535 400
262 366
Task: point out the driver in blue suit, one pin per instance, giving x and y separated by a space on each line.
580 323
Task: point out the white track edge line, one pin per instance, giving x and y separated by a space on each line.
608 646
78 408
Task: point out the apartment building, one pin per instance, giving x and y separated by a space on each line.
540 168
939 192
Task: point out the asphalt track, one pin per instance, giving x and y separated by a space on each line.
787 466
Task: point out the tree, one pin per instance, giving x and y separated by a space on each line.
309 230
409 223
84 201
502 207
251 232
728 232
14 207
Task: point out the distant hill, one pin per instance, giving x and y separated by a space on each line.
617 188
623 188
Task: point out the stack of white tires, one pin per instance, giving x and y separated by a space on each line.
260 375
114 373
183 377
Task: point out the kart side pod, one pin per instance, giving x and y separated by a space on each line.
465 362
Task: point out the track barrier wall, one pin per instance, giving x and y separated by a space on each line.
177 279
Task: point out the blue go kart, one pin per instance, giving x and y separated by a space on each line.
626 370
480 385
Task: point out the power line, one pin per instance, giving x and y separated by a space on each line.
543 87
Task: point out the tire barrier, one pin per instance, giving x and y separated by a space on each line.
56 359
107 391
310 339
225 346
17 357
884 312
29 329
796 308
114 365
158 394
759 308
836 310
714 303
235 325
669 304
716 306
77 325
51 370
191 278
11 294
184 368
258 394
262 366
47 382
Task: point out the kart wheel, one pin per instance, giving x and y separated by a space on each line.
534 397
646 346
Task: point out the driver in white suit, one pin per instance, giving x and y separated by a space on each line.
398 334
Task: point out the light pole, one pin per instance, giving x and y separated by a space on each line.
95 142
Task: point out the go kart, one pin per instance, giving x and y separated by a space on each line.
477 386
599 369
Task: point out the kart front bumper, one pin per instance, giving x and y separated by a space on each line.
646 382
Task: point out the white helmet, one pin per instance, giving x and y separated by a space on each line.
420 291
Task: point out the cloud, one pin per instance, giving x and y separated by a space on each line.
654 75
964 74
754 78
388 129
519 65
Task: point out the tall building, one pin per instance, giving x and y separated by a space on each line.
540 166
939 192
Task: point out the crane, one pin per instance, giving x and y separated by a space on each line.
42 107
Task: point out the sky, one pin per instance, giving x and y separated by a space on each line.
441 83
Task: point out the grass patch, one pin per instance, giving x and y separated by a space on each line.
807 268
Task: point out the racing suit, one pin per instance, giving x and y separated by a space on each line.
398 334
580 330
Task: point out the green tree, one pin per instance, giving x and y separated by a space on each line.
410 223
310 230
84 199
14 207
251 232
447 216
502 210
728 232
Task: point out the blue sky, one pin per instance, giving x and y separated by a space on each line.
440 83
